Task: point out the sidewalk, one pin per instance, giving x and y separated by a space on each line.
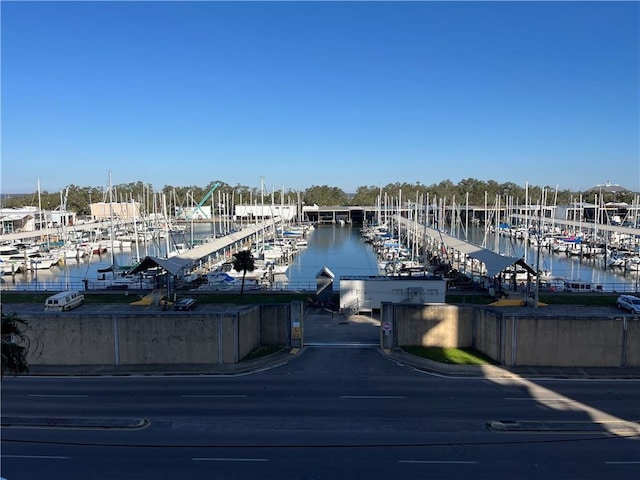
249 366
396 355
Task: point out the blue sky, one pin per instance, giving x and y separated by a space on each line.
319 93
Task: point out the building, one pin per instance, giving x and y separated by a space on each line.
119 210
366 293
285 212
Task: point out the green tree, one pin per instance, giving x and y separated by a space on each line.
325 196
244 262
15 345
366 196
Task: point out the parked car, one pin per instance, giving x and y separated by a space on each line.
64 301
629 302
185 304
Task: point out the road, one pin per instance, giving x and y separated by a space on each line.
329 413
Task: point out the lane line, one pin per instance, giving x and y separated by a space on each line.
444 462
223 459
43 457
56 396
213 396
372 397
622 463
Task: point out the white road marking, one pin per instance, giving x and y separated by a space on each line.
373 397
56 396
223 459
44 457
213 396
444 462
623 463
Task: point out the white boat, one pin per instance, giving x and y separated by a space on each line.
255 275
633 264
39 261
34 261
617 261
8 251
280 269
219 281
581 286
7 267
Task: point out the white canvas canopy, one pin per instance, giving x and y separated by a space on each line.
494 262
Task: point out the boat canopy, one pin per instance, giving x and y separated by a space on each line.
175 266
494 262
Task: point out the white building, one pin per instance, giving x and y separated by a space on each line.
23 219
366 293
120 210
285 212
194 213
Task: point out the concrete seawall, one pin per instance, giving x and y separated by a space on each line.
214 338
212 335
562 336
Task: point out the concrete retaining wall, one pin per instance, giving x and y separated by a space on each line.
632 352
146 339
248 326
487 334
60 340
434 325
570 338
513 337
274 324
567 342
166 339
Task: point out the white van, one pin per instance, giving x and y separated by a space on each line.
64 301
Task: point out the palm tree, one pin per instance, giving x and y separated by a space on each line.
15 345
244 262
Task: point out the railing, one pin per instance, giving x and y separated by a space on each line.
58 286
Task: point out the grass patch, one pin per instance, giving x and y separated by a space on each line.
587 299
455 356
471 298
263 352
576 299
119 296
248 298
95 298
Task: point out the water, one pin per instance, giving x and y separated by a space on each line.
72 273
590 270
339 248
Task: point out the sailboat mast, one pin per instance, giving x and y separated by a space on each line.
111 220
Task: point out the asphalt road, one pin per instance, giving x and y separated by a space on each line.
329 413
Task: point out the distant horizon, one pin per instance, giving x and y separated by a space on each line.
336 93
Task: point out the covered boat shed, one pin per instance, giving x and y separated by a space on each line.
493 262
179 265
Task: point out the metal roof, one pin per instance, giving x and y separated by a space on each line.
174 265
177 264
494 262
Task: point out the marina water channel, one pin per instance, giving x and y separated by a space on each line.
342 250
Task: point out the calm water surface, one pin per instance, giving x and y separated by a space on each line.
339 248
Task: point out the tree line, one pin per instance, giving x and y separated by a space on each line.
472 191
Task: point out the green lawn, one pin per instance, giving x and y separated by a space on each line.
578 299
456 356
122 297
